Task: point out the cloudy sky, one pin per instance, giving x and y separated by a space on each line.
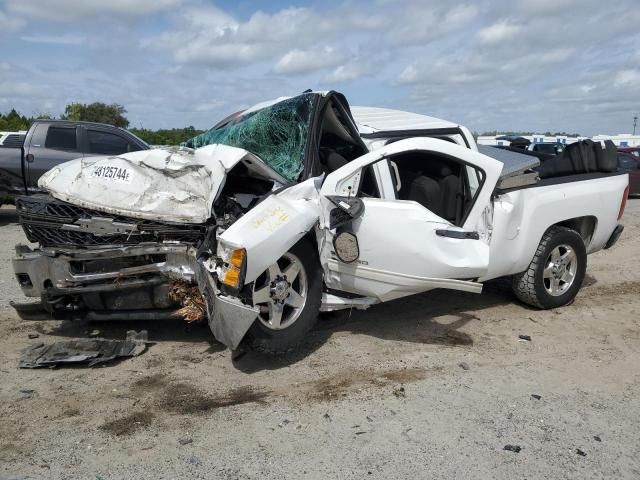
540 65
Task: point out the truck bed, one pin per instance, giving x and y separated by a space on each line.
580 159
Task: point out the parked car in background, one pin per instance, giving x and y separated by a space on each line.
635 151
51 142
630 163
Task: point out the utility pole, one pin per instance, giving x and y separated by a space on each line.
635 124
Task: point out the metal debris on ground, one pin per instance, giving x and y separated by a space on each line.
92 351
526 338
580 452
536 396
597 438
189 298
513 448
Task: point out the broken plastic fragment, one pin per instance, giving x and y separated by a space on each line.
90 350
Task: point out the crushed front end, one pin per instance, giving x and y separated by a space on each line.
99 266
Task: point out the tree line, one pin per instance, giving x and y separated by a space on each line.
112 114
494 133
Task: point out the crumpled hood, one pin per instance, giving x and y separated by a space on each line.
171 184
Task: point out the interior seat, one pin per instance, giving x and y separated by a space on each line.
332 161
427 192
335 161
451 193
434 182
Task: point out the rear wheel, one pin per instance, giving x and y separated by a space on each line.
288 295
556 272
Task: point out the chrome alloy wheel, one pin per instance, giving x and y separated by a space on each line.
560 270
281 292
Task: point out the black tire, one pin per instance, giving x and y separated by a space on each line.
263 339
529 286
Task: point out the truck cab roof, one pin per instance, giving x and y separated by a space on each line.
373 119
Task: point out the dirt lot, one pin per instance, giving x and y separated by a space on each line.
432 386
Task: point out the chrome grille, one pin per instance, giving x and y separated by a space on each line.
42 218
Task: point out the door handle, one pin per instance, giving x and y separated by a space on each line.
462 235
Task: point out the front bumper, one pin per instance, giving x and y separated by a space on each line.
51 273
70 271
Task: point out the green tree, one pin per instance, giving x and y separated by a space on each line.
13 121
99 112
173 136
113 114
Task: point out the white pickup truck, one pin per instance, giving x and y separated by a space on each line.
302 205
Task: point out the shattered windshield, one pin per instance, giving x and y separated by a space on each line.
277 134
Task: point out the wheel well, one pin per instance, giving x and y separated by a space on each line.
585 226
312 237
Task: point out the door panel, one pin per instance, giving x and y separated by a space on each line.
401 254
400 251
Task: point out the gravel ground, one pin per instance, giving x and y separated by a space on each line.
431 386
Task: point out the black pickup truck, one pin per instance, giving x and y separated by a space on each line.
51 142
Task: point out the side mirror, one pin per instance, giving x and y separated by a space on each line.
347 209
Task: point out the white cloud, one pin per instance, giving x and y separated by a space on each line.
346 73
55 40
500 31
627 77
10 23
70 10
304 61
417 23
409 74
207 35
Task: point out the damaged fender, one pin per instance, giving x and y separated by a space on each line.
271 228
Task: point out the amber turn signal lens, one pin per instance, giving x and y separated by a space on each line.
237 257
232 277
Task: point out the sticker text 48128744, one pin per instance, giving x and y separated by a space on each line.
116 174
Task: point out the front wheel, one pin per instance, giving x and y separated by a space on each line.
288 295
556 272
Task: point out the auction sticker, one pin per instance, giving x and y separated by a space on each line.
115 174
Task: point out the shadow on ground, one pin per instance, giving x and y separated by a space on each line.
8 216
411 319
